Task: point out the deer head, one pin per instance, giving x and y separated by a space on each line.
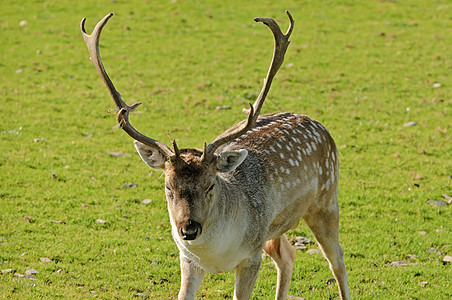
191 175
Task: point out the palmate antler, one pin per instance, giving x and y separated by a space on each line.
92 42
281 44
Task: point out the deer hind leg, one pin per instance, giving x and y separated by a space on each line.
325 226
283 255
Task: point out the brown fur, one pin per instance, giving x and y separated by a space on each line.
272 247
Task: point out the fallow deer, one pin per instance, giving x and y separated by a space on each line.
244 190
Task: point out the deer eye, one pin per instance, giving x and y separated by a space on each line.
168 189
210 189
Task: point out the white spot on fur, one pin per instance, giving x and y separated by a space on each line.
280 179
282 169
326 163
281 154
333 156
272 148
299 158
287 171
291 162
297 163
316 133
278 145
327 185
320 171
313 146
288 148
271 177
288 184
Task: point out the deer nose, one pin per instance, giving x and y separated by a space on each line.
192 231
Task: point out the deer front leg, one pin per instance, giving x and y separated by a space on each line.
245 276
191 277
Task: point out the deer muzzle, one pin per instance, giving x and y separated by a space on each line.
191 231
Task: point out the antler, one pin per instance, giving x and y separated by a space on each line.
92 41
281 44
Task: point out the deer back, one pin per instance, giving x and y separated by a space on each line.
292 160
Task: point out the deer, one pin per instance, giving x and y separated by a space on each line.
243 191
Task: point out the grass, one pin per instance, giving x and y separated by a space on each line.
362 68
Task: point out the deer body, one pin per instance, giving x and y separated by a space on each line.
290 172
242 192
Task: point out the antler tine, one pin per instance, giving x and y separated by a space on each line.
92 42
281 44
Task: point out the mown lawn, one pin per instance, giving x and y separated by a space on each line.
362 68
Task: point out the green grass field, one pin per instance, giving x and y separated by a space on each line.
362 68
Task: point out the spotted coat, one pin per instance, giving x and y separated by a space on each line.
298 158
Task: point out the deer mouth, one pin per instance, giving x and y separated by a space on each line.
191 232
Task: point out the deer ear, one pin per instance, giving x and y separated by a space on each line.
151 156
229 160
